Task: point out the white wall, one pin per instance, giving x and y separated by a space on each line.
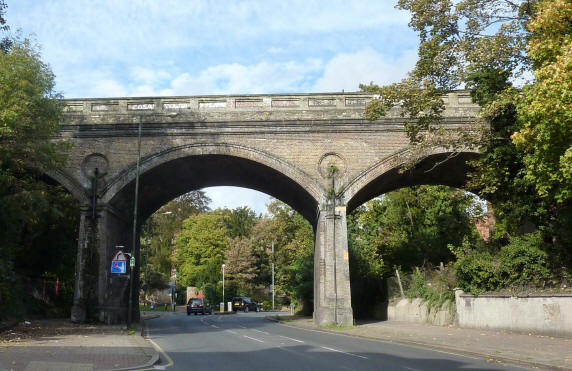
550 315
415 310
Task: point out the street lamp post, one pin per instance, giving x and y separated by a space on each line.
223 303
273 289
174 289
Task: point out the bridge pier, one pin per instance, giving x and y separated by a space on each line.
78 312
99 294
332 296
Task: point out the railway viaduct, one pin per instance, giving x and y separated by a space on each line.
286 146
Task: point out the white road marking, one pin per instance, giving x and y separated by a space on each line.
248 337
339 351
232 332
242 326
409 368
215 326
286 337
262 332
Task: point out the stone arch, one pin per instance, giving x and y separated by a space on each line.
214 164
384 176
70 184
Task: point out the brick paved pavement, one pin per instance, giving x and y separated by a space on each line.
111 349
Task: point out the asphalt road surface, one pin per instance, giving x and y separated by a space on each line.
246 341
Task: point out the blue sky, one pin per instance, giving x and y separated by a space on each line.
112 48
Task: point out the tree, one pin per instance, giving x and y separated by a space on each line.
200 249
406 228
240 264
159 231
484 46
239 221
544 107
38 218
294 254
5 42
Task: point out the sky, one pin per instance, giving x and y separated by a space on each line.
119 48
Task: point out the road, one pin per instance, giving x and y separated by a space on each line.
246 341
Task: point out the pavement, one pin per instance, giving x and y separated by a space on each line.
68 347
526 349
114 348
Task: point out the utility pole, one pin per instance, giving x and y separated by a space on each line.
134 245
273 290
333 171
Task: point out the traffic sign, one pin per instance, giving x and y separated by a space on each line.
119 263
132 262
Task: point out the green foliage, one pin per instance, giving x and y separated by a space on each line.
294 253
521 264
39 220
158 235
477 272
240 264
543 107
239 221
200 249
524 261
432 288
409 227
483 45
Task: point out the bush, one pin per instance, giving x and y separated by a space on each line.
433 290
477 272
524 262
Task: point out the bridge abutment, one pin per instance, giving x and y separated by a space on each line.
332 295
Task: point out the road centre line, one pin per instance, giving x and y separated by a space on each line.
286 337
248 337
262 332
339 351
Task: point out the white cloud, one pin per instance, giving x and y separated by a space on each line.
263 77
347 70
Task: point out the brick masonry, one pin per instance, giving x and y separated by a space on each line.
278 144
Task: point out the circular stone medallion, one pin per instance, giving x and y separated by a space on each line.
331 159
93 161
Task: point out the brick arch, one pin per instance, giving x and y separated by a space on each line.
265 173
70 184
385 176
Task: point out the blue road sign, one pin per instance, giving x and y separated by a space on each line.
119 263
118 266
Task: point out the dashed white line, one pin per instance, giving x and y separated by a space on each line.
241 326
248 337
286 337
262 332
409 368
215 326
339 351
232 332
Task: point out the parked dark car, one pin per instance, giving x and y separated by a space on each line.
198 305
244 303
